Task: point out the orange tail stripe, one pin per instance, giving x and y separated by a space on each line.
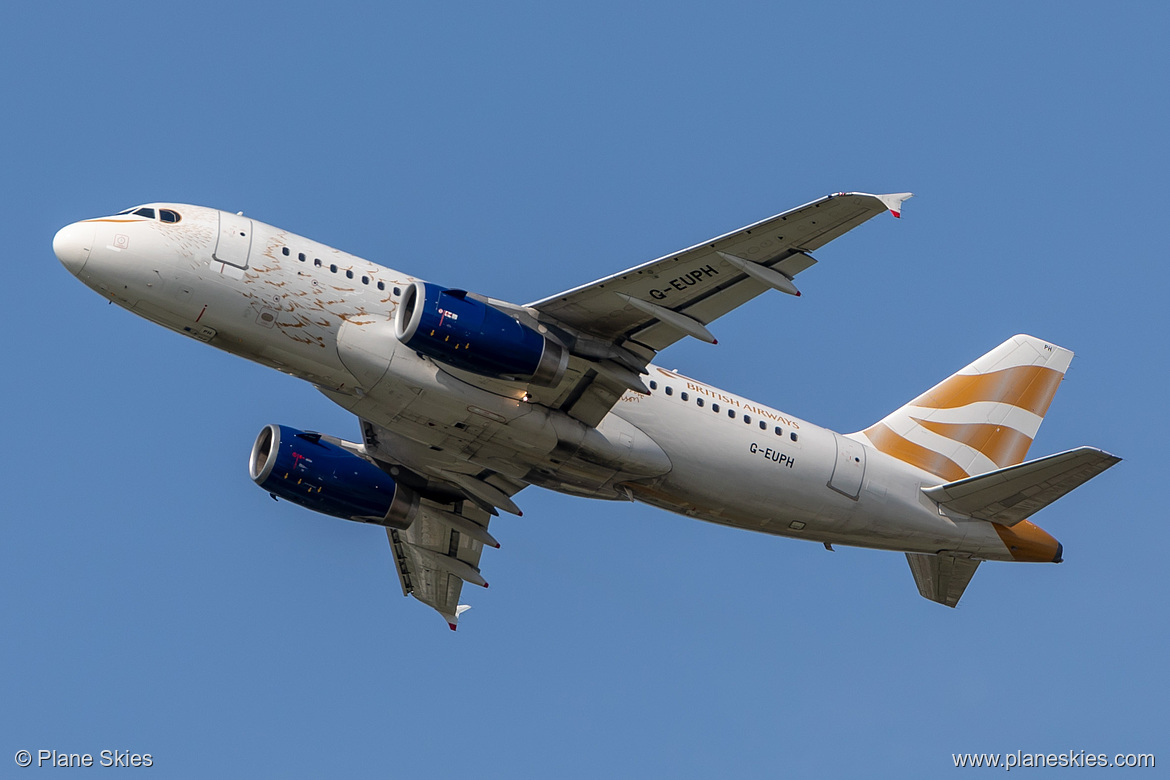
907 451
1028 387
1002 445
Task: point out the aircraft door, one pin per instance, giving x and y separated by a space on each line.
235 240
849 470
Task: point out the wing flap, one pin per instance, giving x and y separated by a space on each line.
1012 494
941 578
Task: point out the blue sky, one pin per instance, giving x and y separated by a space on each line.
154 600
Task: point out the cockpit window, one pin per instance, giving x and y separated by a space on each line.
166 215
148 213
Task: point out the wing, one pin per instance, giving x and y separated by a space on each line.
707 280
615 325
441 548
439 552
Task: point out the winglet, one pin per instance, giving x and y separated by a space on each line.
453 620
894 201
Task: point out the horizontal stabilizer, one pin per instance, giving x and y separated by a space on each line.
1012 494
941 578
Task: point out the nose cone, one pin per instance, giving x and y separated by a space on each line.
72 244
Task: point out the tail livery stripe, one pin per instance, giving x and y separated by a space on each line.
981 418
885 440
983 412
1028 387
1002 445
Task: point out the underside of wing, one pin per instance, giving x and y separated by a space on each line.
441 548
439 552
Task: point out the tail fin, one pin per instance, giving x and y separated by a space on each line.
982 418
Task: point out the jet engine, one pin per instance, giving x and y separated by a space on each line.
455 328
307 470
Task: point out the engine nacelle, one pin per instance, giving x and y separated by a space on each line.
307 470
458 330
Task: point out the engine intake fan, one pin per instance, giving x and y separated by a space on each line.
305 469
455 328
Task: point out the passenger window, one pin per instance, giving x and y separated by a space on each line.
731 413
381 285
763 425
317 261
166 215
284 251
148 213
747 420
333 268
669 390
301 257
397 291
793 435
653 385
365 280
715 408
779 432
349 274
682 396
698 400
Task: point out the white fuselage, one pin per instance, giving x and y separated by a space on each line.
243 287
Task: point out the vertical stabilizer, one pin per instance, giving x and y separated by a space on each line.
981 419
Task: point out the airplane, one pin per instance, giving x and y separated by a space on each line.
465 400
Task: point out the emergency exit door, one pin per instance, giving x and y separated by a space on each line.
235 240
849 470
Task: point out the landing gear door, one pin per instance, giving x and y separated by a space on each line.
235 240
849 470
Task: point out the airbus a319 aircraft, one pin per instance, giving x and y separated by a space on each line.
466 400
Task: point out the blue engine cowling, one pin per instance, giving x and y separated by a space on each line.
456 329
305 469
